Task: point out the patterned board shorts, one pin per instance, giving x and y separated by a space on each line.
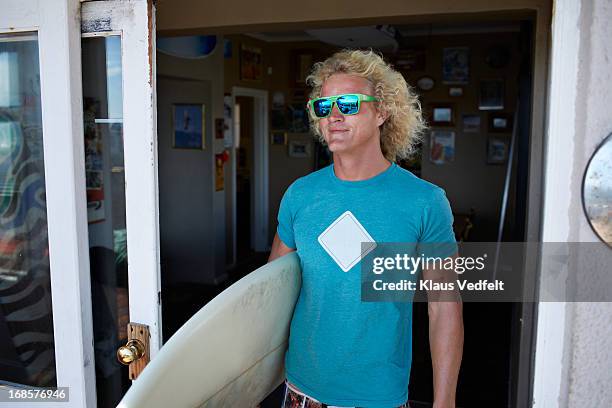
296 399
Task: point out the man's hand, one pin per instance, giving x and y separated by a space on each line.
278 249
445 337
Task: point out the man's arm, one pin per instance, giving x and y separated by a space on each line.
445 337
278 249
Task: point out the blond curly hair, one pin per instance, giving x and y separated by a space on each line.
404 126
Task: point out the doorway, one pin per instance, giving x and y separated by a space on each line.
250 174
283 51
244 176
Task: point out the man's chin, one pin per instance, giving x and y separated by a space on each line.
336 146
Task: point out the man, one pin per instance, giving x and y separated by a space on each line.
342 351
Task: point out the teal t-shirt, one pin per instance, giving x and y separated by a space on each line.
343 351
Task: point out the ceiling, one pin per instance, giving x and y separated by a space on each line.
383 37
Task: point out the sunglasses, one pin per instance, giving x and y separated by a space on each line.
348 104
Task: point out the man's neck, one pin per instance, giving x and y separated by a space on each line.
353 167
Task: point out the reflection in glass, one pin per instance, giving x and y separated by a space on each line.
27 353
597 191
105 187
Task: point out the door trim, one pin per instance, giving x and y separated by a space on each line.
260 198
550 370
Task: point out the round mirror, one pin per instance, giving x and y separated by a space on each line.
597 191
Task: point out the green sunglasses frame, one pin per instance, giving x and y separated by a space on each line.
334 98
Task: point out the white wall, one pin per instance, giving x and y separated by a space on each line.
208 211
574 340
185 189
589 349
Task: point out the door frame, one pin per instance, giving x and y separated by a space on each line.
260 196
550 369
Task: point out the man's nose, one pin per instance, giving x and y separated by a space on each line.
335 114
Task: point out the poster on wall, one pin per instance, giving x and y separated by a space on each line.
456 65
188 126
219 168
442 146
251 63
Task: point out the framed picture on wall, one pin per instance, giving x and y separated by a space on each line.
491 94
299 148
471 123
251 63
500 122
442 115
497 150
455 91
188 126
442 146
456 65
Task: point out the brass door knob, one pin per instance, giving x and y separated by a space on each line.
132 351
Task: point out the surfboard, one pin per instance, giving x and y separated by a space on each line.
231 352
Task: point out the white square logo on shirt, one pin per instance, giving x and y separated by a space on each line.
342 241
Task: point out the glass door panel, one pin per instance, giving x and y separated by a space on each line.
106 211
27 353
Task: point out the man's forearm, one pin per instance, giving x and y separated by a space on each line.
446 345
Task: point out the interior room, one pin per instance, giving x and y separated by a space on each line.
220 189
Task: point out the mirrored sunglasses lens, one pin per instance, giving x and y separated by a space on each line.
322 107
348 104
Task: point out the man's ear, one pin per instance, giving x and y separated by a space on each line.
381 117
